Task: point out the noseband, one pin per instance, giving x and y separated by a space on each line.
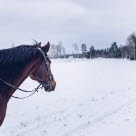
41 85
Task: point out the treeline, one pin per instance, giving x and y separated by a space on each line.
114 51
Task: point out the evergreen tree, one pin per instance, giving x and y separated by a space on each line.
131 42
84 50
92 52
113 50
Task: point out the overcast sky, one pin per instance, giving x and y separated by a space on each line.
93 22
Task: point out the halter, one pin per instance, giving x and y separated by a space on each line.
41 85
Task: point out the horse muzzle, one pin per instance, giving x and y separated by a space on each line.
48 87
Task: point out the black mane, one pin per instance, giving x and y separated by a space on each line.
13 59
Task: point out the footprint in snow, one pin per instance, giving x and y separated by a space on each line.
23 124
126 120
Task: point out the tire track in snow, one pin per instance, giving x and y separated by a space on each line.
88 124
32 124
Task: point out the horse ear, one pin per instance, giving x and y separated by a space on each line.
38 45
46 47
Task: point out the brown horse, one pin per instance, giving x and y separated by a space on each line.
16 64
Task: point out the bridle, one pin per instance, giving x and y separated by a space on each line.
49 75
41 85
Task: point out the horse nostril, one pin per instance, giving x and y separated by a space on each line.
47 88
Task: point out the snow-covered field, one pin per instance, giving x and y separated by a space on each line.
92 98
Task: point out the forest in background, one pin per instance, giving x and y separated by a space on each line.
127 51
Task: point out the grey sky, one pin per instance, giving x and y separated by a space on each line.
94 22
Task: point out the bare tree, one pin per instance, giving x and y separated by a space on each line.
76 50
63 52
53 51
59 47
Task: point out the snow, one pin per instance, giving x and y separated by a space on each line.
93 97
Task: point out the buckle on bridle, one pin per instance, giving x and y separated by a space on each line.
46 84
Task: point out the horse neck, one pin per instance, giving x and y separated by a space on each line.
22 75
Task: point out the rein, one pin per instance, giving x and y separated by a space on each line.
17 88
39 86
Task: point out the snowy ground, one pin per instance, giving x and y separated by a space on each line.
93 98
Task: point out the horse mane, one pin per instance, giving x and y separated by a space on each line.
13 59
16 55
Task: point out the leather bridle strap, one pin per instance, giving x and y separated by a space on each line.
32 92
18 87
49 83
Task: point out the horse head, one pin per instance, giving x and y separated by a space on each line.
42 71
